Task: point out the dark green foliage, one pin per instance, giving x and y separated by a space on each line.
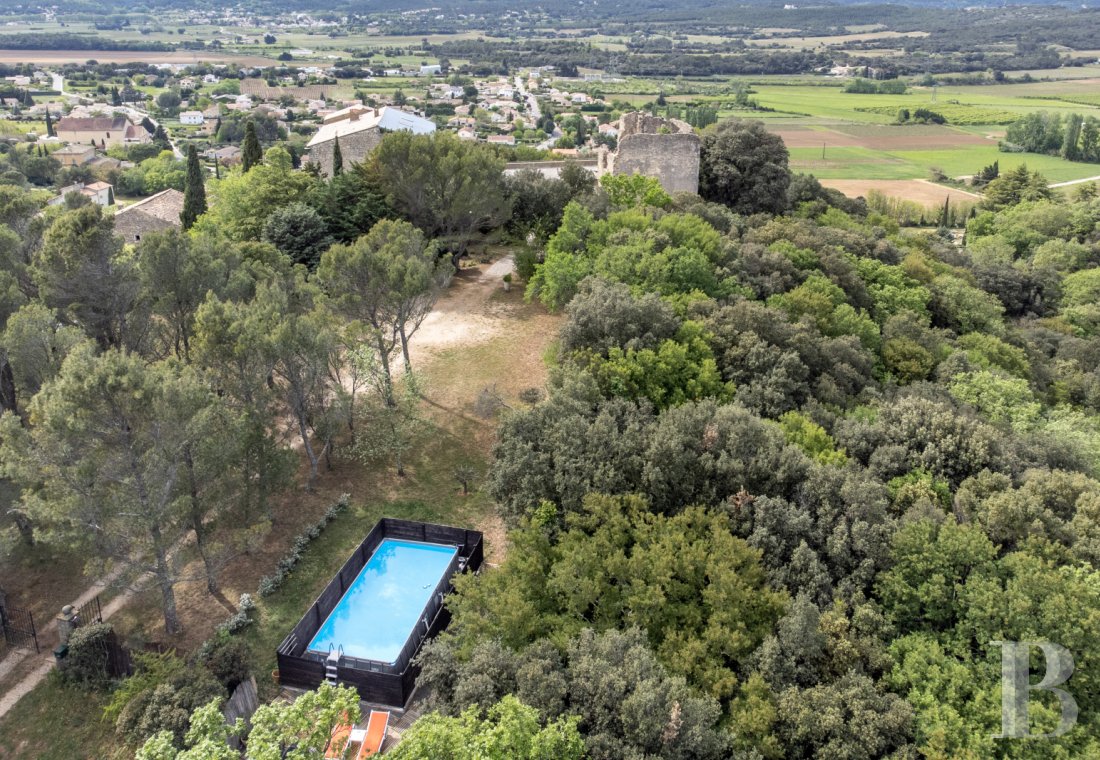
628 703
86 664
337 158
745 167
350 204
251 153
228 659
629 559
604 315
167 706
537 202
194 194
298 231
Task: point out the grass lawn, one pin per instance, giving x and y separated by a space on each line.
56 722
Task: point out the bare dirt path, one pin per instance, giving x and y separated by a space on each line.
463 315
19 660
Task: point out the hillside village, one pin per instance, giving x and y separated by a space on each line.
102 124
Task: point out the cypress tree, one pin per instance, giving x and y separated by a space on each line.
194 193
337 158
49 125
250 150
217 169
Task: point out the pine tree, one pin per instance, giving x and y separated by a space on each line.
194 193
49 125
337 158
250 150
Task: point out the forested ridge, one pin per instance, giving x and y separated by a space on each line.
795 469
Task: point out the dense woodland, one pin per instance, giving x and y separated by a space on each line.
795 468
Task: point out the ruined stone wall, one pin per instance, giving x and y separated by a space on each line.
667 149
354 148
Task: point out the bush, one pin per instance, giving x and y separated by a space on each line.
228 659
526 258
167 706
269 584
242 618
86 663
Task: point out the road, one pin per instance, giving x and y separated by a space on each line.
135 114
535 113
1075 182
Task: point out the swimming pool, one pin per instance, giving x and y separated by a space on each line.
376 615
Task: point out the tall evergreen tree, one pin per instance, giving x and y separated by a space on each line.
337 158
194 193
49 125
116 98
250 150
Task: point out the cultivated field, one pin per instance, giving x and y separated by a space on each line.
917 190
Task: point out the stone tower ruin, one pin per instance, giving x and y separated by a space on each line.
667 149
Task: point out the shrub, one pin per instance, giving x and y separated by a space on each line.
269 584
242 618
86 663
228 659
167 706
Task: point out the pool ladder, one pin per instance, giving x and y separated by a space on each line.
331 662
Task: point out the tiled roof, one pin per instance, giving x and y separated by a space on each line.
165 205
92 124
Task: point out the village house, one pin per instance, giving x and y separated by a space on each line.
501 140
462 121
466 134
230 154
74 155
157 212
103 131
99 193
192 118
359 129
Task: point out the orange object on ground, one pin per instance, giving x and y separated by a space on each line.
338 744
376 734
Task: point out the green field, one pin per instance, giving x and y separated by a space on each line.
866 122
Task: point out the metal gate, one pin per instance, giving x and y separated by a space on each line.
90 612
19 630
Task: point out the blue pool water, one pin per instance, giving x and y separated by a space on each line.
375 616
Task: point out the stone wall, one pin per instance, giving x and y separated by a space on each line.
354 148
667 149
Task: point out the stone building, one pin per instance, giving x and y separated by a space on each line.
157 212
359 129
667 149
101 131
